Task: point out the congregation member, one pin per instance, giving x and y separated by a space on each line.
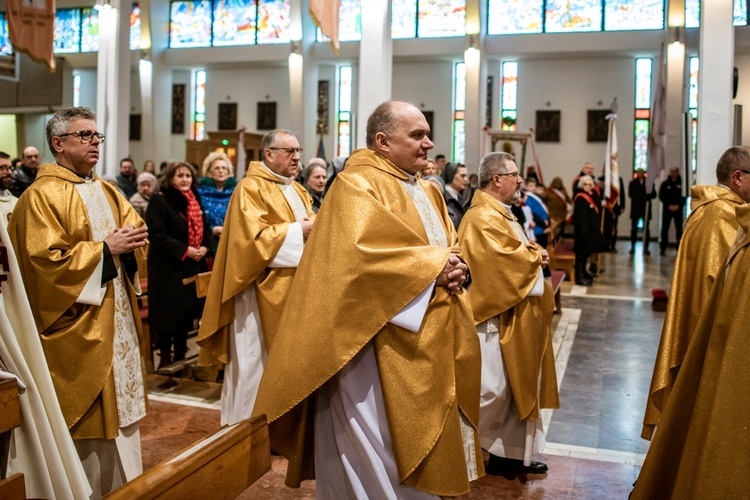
456 181
700 448
640 210
179 237
268 221
376 394
146 185
587 236
709 234
7 200
586 170
24 175
440 162
512 306
76 238
429 169
539 212
673 204
315 181
559 203
127 179
215 188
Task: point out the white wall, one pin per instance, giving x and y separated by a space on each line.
742 62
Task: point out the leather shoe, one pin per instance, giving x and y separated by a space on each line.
584 282
499 466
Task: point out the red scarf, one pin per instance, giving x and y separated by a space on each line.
587 197
194 220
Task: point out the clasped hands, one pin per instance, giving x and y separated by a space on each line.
126 239
453 275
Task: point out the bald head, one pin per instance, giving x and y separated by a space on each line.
399 131
31 158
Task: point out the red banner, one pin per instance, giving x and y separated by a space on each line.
31 27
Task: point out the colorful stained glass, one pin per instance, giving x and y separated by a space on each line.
135 27
692 13
459 85
620 15
507 17
573 15
350 21
643 82
509 85
199 118
5 47
274 21
344 111
190 23
89 29
693 79
509 121
404 19
234 22
640 144
459 141
441 18
459 106
740 12
694 140
67 31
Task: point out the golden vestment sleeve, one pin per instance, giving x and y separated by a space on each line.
700 448
57 255
369 253
256 224
504 270
709 233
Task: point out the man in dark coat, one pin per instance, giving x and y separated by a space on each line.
673 206
640 208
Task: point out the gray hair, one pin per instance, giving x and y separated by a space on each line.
583 179
493 164
212 157
734 158
58 124
383 119
270 139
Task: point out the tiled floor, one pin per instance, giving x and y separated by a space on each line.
605 342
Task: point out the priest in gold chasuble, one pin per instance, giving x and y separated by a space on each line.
76 238
700 449
372 384
267 223
512 306
709 233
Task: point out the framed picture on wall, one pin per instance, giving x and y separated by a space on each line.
597 125
134 130
266 115
547 126
178 108
227 116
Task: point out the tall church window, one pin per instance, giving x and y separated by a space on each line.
199 113
694 68
509 96
693 13
642 120
459 112
344 119
77 30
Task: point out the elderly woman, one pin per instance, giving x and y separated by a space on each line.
587 236
215 188
456 180
146 184
179 236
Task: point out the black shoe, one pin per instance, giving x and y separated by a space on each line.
584 282
613 249
662 252
593 268
588 276
500 466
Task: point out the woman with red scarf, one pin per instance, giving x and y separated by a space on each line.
179 237
587 235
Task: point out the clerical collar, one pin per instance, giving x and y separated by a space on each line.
285 180
87 177
412 177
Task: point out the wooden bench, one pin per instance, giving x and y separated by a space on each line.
12 487
220 466
561 254
556 281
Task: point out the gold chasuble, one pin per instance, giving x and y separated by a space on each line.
367 257
700 449
255 227
709 233
57 255
504 271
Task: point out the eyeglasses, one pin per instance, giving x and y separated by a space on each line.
509 174
86 135
6 168
289 151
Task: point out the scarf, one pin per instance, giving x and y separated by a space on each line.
194 220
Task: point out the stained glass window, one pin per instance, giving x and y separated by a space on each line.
573 15
404 19
76 89
5 47
274 20
740 12
642 122
350 23
622 15
693 13
643 83
89 29
345 111
509 96
459 109
441 18
199 116
190 23
234 22
135 27
67 31
694 66
506 17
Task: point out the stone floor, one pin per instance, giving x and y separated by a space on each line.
605 342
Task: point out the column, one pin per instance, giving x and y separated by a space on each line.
375 63
476 76
303 79
675 86
716 54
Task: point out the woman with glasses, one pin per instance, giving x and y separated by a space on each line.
215 188
179 236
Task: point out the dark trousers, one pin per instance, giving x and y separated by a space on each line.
178 335
666 218
634 232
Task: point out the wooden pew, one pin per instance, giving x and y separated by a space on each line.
12 487
561 255
220 466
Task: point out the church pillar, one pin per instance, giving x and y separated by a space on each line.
303 80
476 76
675 87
